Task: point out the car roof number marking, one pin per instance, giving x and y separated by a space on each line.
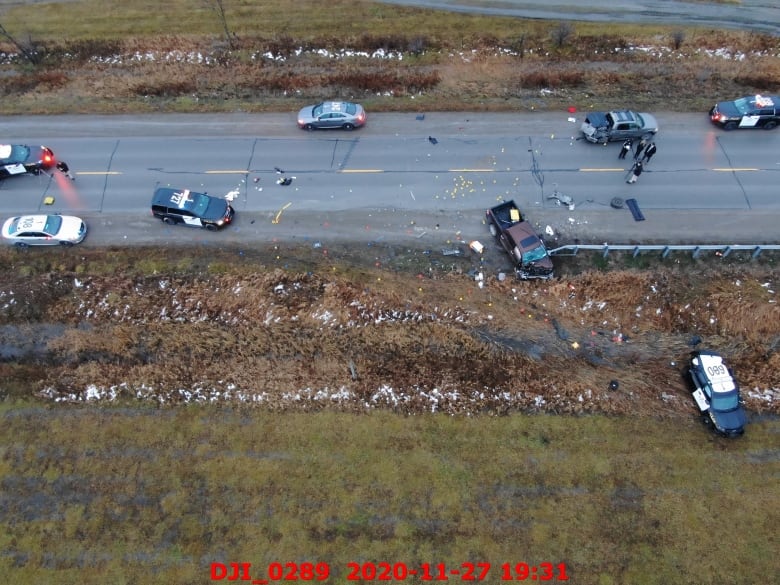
32 222
719 376
764 102
181 199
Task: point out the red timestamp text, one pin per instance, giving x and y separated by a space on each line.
382 571
464 572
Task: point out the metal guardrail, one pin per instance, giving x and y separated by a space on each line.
636 249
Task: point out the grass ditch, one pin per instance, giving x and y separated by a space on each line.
90 59
390 328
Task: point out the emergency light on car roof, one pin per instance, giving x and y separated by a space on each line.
764 102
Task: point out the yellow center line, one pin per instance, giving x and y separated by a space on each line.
615 170
227 172
448 170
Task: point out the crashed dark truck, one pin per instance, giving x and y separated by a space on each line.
520 240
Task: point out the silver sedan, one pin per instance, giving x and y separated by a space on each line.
343 115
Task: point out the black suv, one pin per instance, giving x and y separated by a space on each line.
756 111
717 393
20 159
191 208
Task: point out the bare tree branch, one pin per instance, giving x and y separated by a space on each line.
218 6
27 50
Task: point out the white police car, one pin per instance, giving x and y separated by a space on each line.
717 393
44 230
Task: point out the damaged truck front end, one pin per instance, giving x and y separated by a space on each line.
520 241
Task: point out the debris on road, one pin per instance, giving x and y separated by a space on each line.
278 216
633 205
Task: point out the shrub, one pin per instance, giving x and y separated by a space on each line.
561 34
552 78
164 87
279 82
392 42
518 45
417 45
282 45
382 81
678 37
29 82
87 49
760 82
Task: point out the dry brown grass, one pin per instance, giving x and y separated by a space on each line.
362 337
503 71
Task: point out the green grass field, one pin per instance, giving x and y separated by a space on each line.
339 20
144 495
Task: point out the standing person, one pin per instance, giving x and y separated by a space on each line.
636 170
639 148
650 151
63 167
628 144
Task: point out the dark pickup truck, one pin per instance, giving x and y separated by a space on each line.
521 242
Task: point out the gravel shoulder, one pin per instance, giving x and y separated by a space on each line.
440 228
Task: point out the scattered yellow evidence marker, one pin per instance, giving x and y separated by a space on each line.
279 214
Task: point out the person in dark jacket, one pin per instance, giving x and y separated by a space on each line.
628 144
636 170
639 148
649 152
63 167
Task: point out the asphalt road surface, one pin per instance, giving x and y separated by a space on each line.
390 181
753 15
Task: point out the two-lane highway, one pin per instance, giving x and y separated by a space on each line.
443 163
